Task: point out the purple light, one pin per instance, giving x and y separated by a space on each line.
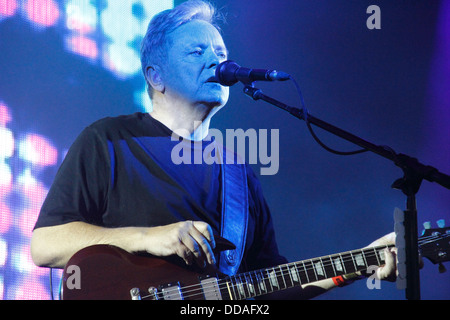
8 8
5 115
437 118
43 12
17 217
83 46
38 150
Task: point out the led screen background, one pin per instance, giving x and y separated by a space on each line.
65 64
55 56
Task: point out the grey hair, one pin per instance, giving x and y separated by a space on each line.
153 49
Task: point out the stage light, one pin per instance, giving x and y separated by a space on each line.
8 8
43 12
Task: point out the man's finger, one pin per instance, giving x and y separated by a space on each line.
387 272
185 253
202 243
206 231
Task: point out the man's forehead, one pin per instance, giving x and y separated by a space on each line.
195 32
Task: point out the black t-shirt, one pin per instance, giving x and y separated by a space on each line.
120 172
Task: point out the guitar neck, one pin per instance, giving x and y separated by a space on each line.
259 282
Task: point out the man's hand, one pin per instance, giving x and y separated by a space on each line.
193 241
389 270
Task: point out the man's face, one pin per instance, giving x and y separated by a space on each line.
193 52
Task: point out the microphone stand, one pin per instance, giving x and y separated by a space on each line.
409 184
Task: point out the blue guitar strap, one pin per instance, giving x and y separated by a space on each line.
234 212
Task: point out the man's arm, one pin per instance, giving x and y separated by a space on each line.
193 241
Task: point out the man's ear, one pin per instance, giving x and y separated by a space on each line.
153 76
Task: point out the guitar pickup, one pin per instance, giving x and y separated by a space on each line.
171 291
210 288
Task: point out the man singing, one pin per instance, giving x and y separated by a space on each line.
118 184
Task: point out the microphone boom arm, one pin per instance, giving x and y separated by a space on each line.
414 173
427 172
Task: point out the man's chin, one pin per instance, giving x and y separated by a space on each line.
216 102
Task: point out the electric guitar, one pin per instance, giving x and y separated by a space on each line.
108 272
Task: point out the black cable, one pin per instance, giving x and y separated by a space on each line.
316 138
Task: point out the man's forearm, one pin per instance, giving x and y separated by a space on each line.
53 246
190 240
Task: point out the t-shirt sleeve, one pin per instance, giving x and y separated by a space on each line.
79 190
264 251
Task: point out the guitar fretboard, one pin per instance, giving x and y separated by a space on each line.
259 282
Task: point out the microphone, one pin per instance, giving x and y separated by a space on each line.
229 72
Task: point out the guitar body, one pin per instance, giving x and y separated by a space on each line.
105 272
108 272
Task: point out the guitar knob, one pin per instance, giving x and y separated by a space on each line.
441 223
427 225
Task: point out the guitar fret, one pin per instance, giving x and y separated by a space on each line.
305 272
339 266
310 273
299 272
254 279
282 278
328 265
235 288
300 276
273 281
355 268
314 269
288 276
348 263
247 286
226 290
364 259
376 256
294 274
260 280
239 287
359 260
250 285
371 257
318 268
267 282
242 287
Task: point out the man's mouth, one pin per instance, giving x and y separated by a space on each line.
212 79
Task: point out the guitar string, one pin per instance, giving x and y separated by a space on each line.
431 239
199 290
237 291
187 290
282 271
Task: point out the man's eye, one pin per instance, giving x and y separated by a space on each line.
222 55
197 52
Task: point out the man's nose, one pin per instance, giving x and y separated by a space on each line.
213 59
